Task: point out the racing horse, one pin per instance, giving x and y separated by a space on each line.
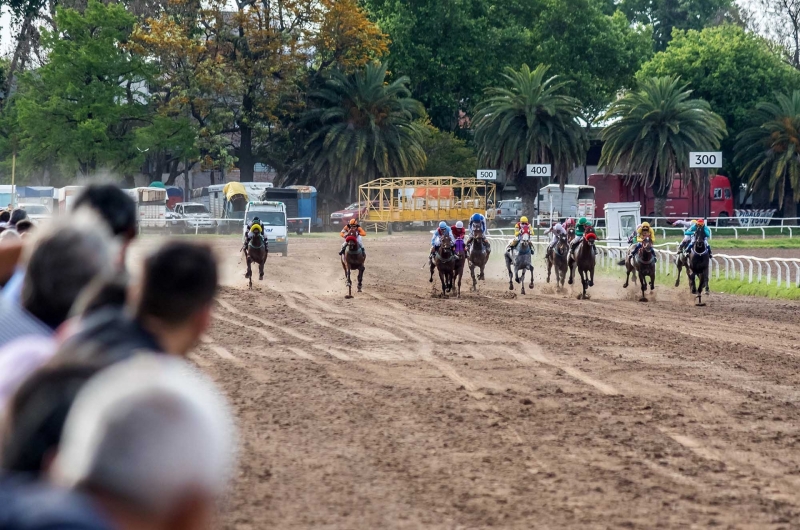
460 249
446 261
353 259
558 257
521 262
696 259
256 252
583 258
643 264
479 252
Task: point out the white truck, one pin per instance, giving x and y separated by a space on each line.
272 215
574 201
151 206
194 217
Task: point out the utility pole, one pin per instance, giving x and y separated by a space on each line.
13 177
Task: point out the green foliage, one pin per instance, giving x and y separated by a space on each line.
454 50
532 121
755 289
82 107
772 242
668 15
447 155
731 69
363 129
653 130
770 151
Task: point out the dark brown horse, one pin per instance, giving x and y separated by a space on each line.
697 260
583 258
643 263
558 257
446 261
353 259
479 252
256 252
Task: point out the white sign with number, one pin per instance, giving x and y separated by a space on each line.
540 170
711 159
487 174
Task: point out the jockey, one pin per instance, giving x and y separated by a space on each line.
521 228
642 232
555 231
436 240
353 225
700 224
251 228
477 221
458 230
687 232
581 228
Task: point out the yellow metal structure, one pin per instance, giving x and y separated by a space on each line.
424 199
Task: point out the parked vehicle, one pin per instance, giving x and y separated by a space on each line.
151 206
509 212
195 217
300 203
573 201
272 215
342 217
65 197
37 212
682 202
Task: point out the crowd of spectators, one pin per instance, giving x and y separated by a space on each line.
104 423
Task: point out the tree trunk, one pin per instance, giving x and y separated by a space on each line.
660 206
528 189
789 201
246 161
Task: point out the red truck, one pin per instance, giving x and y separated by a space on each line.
682 201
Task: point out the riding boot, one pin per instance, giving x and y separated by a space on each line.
341 252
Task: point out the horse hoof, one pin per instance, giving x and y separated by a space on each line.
359 288
570 282
643 299
625 286
591 283
548 280
261 277
516 280
511 287
348 296
677 284
431 280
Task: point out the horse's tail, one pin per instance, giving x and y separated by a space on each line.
622 262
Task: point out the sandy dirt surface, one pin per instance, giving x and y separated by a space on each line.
399 409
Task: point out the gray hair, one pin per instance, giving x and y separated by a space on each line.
147 431
63 260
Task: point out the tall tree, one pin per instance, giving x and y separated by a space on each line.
364 128
652 131
83 106
531 120
729 68
447 155
668 15
770 150
782 24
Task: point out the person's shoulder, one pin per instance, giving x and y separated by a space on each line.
26 504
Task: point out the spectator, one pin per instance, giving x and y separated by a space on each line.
171 311
16 216
62 263
24 227
5 215
151 442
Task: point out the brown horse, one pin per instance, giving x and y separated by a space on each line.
558 257
643 264
697 260
583 258
353 259
479 252
256 252
446 261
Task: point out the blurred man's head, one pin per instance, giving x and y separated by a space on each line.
23 227
112 204
179 281
17 215
5 215
151 441
61 264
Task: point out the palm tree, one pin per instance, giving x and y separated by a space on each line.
363 128
770 151
530 121
653 130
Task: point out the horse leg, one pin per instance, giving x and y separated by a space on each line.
474 280
249 267
549 268
261 269
531 284
443 280
458 288
643 285
522 286
360 277
510 274
680 268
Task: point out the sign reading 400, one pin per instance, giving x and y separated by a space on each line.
711 159
539 170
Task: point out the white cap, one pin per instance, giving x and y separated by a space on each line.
148 431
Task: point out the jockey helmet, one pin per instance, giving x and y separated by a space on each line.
442 225
256 220
476 217
459 224
582 221
353 222
701 222
523 219
645 226
569 222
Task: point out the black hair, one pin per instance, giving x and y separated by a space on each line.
24 226
179 279
17 215
5 215
112 204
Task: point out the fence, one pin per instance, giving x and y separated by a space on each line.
749 269
223 226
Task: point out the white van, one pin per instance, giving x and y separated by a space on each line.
273 219
575 201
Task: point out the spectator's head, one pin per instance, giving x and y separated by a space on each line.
16 216
178 285
5 215
113 206
35 417
61 264
23 227
151 441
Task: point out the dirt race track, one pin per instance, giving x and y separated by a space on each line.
401 410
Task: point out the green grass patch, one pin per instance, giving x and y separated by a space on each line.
756 243
755 289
